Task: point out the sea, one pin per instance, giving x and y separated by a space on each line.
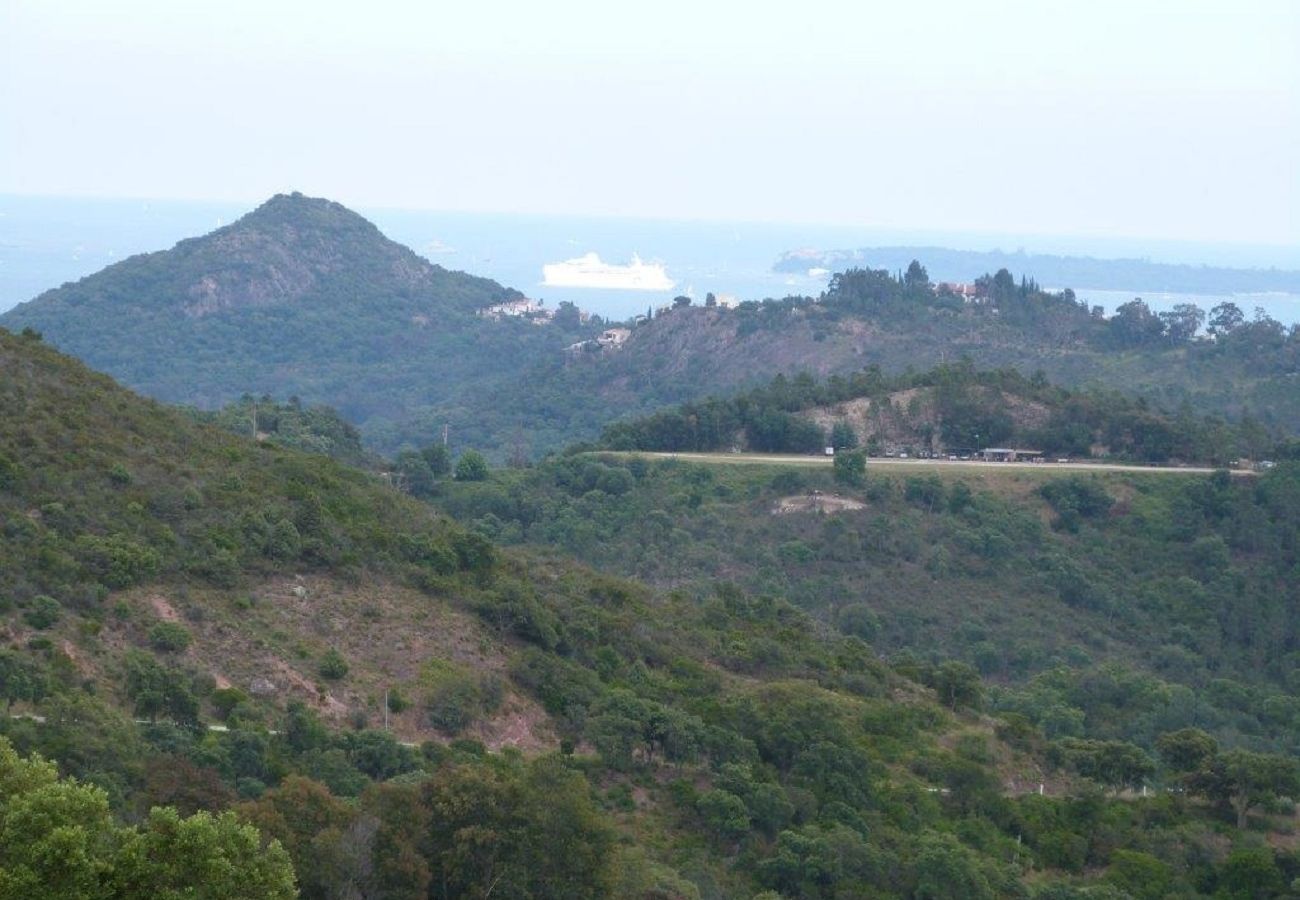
47 241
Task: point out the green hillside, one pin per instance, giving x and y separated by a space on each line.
952 409
1247 371
304 298
413 711
300 297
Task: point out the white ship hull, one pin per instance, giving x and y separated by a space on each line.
590 272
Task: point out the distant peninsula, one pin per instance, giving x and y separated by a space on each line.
1079 272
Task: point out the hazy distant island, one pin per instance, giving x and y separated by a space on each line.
1079 272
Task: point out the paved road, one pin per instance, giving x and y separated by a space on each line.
888 462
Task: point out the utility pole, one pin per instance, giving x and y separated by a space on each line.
445 427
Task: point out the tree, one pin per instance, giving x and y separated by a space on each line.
724 814
1225 319
1134 325
1187 750
710 300
1244 779
850 467
528 831
1115 764
331 845
1141 875
957 684
203 857
859 620
681 301
1250 872
1182 322
567 316
58 841
471 467
20 679
843 437
438 458
417 475
946 870
916 276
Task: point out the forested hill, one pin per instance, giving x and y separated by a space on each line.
412 711
300 297
1216 361
303 298
951 409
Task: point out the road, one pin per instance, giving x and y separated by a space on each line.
876 462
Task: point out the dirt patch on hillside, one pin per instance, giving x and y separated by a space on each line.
816 503
163 609
910 418
269 642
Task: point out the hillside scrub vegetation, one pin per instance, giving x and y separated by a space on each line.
685 735
953 408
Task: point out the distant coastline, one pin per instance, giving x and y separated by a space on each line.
1078 272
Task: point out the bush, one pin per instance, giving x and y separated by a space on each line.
224 700
332 665
850 467
119 475
460 701
471 467
169 637
43 612
859 620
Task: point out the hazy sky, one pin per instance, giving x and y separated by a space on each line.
1175 120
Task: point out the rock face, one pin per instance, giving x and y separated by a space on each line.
262 687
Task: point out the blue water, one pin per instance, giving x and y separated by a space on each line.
45 242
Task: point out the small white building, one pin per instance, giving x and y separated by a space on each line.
523 308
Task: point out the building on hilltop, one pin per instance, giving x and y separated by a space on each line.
523 308
967 292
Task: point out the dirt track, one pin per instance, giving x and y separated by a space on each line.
878 462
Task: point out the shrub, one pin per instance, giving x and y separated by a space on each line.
8 472
224 700
332 665
119 475
397 701
850 467
117 560
859 620
460 701
169 637
43 612
471 467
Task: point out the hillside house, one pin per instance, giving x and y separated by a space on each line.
965 291
523 308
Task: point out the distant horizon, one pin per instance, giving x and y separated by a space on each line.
1287 255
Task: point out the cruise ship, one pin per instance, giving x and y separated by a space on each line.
588 271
